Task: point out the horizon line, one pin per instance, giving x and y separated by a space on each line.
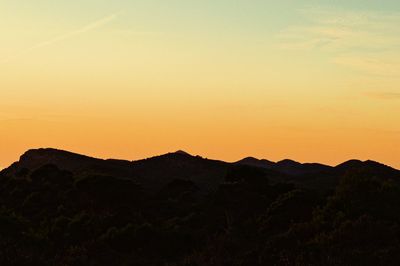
193 155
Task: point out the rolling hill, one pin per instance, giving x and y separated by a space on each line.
63 208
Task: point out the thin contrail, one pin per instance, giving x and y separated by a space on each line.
89 27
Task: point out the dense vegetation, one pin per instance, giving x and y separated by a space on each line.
50 216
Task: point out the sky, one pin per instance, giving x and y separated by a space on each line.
314 81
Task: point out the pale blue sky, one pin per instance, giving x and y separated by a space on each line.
298 73
183 14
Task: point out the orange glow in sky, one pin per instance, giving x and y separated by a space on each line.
222 80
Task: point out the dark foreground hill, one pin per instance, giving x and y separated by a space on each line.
61 208
155 172
152 173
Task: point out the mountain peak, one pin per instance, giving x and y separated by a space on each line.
33 156
65 160
46 151
182 152
249 158
349 164
288 162
252 161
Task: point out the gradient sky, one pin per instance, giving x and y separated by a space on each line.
301 79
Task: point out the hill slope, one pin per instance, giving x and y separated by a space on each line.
61 208
156 172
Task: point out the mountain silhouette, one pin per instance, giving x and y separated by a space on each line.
262 163
156 172
286 166
152 173
63 208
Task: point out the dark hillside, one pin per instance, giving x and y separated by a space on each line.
61 208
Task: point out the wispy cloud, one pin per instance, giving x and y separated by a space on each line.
335 30
89 27
366 41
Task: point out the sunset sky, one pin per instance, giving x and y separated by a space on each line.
301 79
